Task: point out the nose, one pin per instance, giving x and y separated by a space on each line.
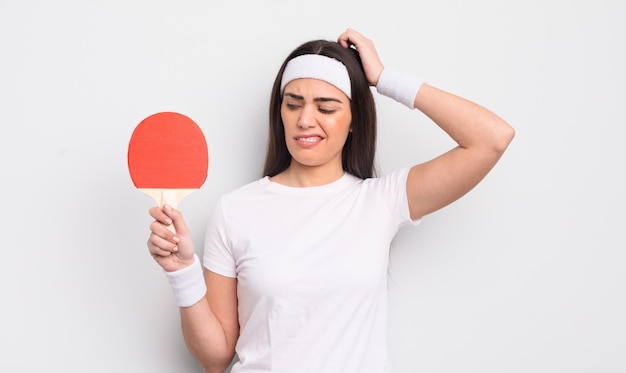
307 117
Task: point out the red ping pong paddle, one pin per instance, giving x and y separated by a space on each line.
168 158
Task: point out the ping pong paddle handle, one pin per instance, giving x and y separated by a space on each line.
172 197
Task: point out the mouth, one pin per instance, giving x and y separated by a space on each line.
309 139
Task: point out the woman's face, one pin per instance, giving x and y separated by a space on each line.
317 118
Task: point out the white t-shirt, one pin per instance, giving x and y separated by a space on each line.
311 269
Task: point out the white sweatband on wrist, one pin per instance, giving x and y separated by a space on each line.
188 284
399 86
316 66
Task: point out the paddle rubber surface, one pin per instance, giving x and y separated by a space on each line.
168 151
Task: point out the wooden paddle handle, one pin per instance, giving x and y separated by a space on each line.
172 197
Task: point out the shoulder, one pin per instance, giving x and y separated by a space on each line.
247 190
389 181
238 202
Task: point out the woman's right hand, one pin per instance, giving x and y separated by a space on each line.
172 251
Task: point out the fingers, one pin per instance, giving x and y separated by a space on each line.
344 39
351 37
162 242
167 216
160 247
372 65
176 218
170 249
159 215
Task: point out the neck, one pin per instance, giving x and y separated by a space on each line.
297 175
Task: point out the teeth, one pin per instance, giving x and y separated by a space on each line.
308 139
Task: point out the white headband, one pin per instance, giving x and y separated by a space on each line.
319 67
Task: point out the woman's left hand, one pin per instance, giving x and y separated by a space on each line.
372 64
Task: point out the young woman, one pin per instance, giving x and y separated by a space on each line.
295 263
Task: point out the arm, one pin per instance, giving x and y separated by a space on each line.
481 136
210 325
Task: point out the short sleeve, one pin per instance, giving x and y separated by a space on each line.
218 254
402 202
392 188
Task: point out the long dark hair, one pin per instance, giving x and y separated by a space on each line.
360 147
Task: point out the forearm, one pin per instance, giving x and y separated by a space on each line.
208 309
206 338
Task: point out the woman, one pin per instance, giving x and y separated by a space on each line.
296 262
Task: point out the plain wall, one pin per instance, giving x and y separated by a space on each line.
526 273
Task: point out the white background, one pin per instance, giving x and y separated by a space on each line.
524 274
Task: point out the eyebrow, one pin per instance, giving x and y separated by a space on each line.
317 99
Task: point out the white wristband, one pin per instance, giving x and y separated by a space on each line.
188 284
399 86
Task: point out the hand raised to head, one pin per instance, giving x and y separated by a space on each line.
372 64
